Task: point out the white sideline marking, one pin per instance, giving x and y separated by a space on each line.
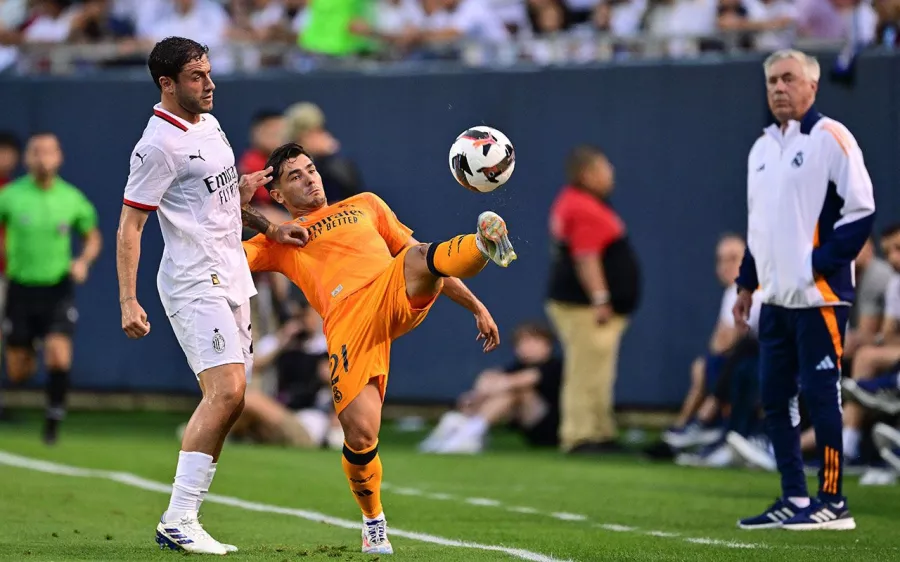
617 528
563 516
150 485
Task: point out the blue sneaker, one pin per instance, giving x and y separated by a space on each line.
822 516
773 517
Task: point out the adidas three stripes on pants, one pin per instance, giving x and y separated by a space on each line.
800 351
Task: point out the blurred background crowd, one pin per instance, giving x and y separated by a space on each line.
247 35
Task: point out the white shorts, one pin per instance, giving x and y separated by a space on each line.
213 333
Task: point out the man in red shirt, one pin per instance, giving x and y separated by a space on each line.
594 287
10 153
267 131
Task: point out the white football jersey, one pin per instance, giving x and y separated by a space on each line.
186 173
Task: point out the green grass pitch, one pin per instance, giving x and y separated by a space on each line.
509 504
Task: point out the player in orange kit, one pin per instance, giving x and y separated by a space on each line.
371 282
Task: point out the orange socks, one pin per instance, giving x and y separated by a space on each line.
457 257
363 470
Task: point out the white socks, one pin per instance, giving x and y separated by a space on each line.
851 439
206 484
192 478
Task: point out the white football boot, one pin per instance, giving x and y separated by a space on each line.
374 536
187 534
492 239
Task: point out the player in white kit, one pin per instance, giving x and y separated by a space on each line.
183 168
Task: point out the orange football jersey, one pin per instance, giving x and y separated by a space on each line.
350 244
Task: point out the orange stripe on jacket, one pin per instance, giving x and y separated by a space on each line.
821 284
839 136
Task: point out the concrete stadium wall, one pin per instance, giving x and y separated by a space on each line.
678 135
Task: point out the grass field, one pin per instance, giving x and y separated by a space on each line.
281 505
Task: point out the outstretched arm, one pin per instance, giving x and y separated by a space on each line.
456 290
288 233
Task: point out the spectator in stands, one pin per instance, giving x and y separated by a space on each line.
95 23
594 288
548 20
395 25
705 370
873 275
301 414
881 356
204 21
774 23
887 31
447 21
10 152
685 20
306 126
837 20
51 21
621 18
331 29
511 13
525 393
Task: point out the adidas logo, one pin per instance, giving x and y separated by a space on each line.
825 364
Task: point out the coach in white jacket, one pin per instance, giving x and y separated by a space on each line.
811 209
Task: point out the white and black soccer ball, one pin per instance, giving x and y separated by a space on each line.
482 159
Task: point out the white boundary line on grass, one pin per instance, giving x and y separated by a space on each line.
562 516
135 481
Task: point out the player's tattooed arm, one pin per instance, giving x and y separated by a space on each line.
255 220
289 233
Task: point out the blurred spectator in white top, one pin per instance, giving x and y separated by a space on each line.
548 21
682 21
204 21
837 20
511 13
12 16
450 20
622 17
52 22
774 22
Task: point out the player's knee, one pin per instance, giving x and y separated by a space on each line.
360 438
20 365
226 391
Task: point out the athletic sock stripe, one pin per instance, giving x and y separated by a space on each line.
429 261
360 459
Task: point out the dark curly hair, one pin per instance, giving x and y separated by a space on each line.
279 157
171 54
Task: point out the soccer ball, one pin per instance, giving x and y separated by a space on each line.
482 159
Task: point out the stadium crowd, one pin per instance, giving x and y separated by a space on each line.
300 34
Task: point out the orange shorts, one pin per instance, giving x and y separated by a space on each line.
360 329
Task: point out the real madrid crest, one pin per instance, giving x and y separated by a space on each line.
218 341
224 138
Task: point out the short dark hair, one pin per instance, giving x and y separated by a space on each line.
279 157
8 139
580 158
534 329
890 230
170 55
265 115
